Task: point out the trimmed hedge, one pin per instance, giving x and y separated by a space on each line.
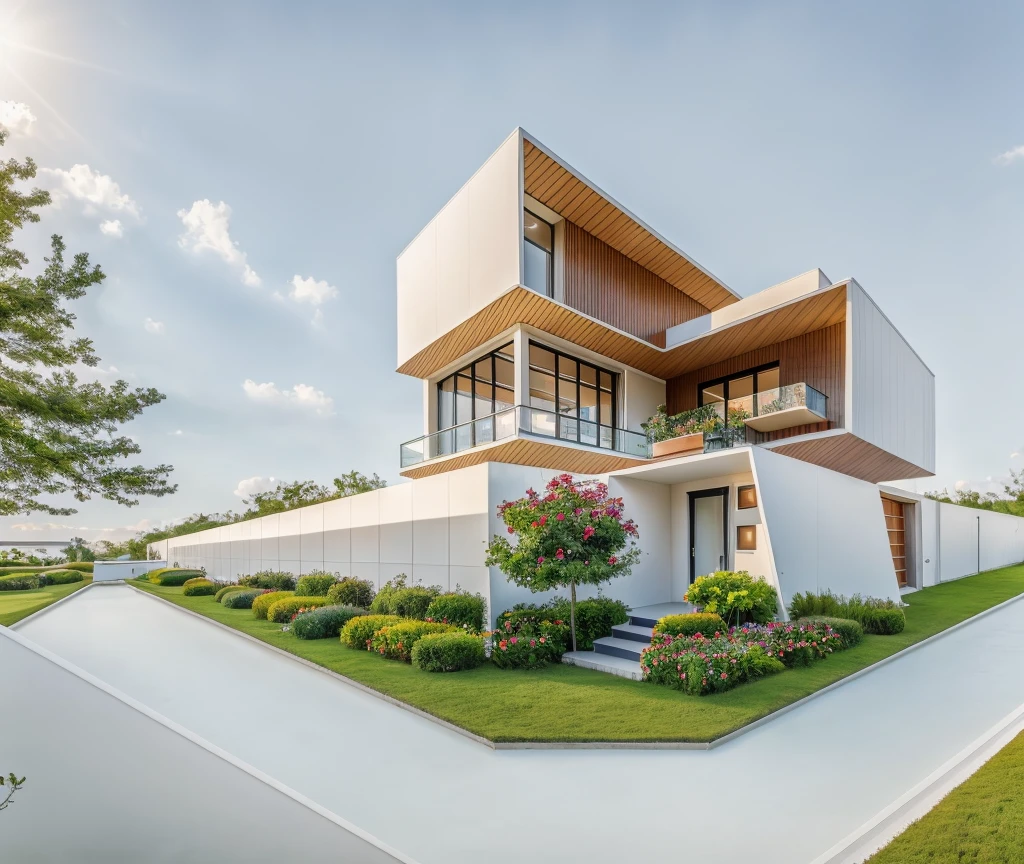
396 641
239 599
881 617
63 577
82 566
10 563
359 631
314 584
19 582
199 588
227 589
196 579
458 608
849 631
267 599
594 617
281 611
352 592
325 622
448 652
173 576
705 623
269 580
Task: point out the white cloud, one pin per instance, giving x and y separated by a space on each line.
252 485
95 189
153 326
177 432
16 117
207 227
310 290
112 228
41 526
960 485
301 396
1010 156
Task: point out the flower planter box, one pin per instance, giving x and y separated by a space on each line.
684 445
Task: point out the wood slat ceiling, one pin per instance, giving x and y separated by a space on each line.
522 306
570 197
851 455
527 451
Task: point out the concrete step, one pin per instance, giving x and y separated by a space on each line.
627 649
641 621
632 632
604 663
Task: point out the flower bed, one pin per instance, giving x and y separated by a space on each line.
396 641
528 645
881 617
283 610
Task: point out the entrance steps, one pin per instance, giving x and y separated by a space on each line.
619 654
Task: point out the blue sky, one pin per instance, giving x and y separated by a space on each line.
764 139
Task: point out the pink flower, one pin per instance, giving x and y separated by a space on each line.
533 643
560 516
543 519
542 640
578 511
612 560
560 555
588 532
503 645
540 560
513 640
586 563
723 676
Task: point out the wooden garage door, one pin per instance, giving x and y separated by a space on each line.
895 523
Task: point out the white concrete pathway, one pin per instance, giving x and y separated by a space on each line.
785 792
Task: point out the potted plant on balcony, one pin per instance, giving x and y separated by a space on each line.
683 433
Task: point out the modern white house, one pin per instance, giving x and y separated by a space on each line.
547 324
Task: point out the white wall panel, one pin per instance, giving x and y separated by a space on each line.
311 537
466 257
365 537
269 545
430 521
893 392
289 527
650 506
395 503
643 395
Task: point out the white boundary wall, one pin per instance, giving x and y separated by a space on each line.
111 571
129 785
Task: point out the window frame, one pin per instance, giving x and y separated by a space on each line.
550 290
725 379
469 371
598 389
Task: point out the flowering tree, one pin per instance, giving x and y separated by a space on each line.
572 535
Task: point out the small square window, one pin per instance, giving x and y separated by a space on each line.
746 538
746 497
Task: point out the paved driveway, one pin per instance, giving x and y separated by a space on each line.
785 792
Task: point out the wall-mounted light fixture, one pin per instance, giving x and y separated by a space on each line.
746 538
746 497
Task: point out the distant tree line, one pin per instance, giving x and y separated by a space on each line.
1012 500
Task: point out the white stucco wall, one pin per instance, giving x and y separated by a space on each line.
643 395
466 256
130 786
890 391
109 571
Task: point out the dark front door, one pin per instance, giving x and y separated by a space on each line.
709 531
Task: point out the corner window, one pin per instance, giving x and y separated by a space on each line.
538 254
572 398
482 388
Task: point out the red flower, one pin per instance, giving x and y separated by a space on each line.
534 525
560 516
511 530
543 519
588 532
503 645
560 555
612 560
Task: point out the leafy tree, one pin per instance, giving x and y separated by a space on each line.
1013 503
355 483
572 535
78 551
14 785
57 434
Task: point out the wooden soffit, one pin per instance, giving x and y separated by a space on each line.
522 306
848 454
573 198
529 451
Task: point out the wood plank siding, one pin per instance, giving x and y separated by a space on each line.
817 358
529 451
603 283
848 454
557 187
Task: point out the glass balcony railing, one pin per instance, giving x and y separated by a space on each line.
784 407
532 421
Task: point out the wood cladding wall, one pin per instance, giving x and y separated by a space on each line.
817 358
604 284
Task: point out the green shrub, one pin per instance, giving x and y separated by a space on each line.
359 631
282 611
382 603
195 580
325 622
239 599
267 599
448 652
594 617
199 588
315 584
735 596
523 645
10 563
227 589
63 577
458 608
81 566
173 576
19 582
352 592
881 617
705 623
395 598
396 641
269 580
851 632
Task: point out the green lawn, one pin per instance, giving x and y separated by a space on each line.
981 821
566 703
15 605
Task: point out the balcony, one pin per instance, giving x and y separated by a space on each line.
782 408
523 421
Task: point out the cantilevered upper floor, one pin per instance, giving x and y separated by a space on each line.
548 324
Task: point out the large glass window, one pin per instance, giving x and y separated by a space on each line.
481 389
572 398
738 394
538 254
